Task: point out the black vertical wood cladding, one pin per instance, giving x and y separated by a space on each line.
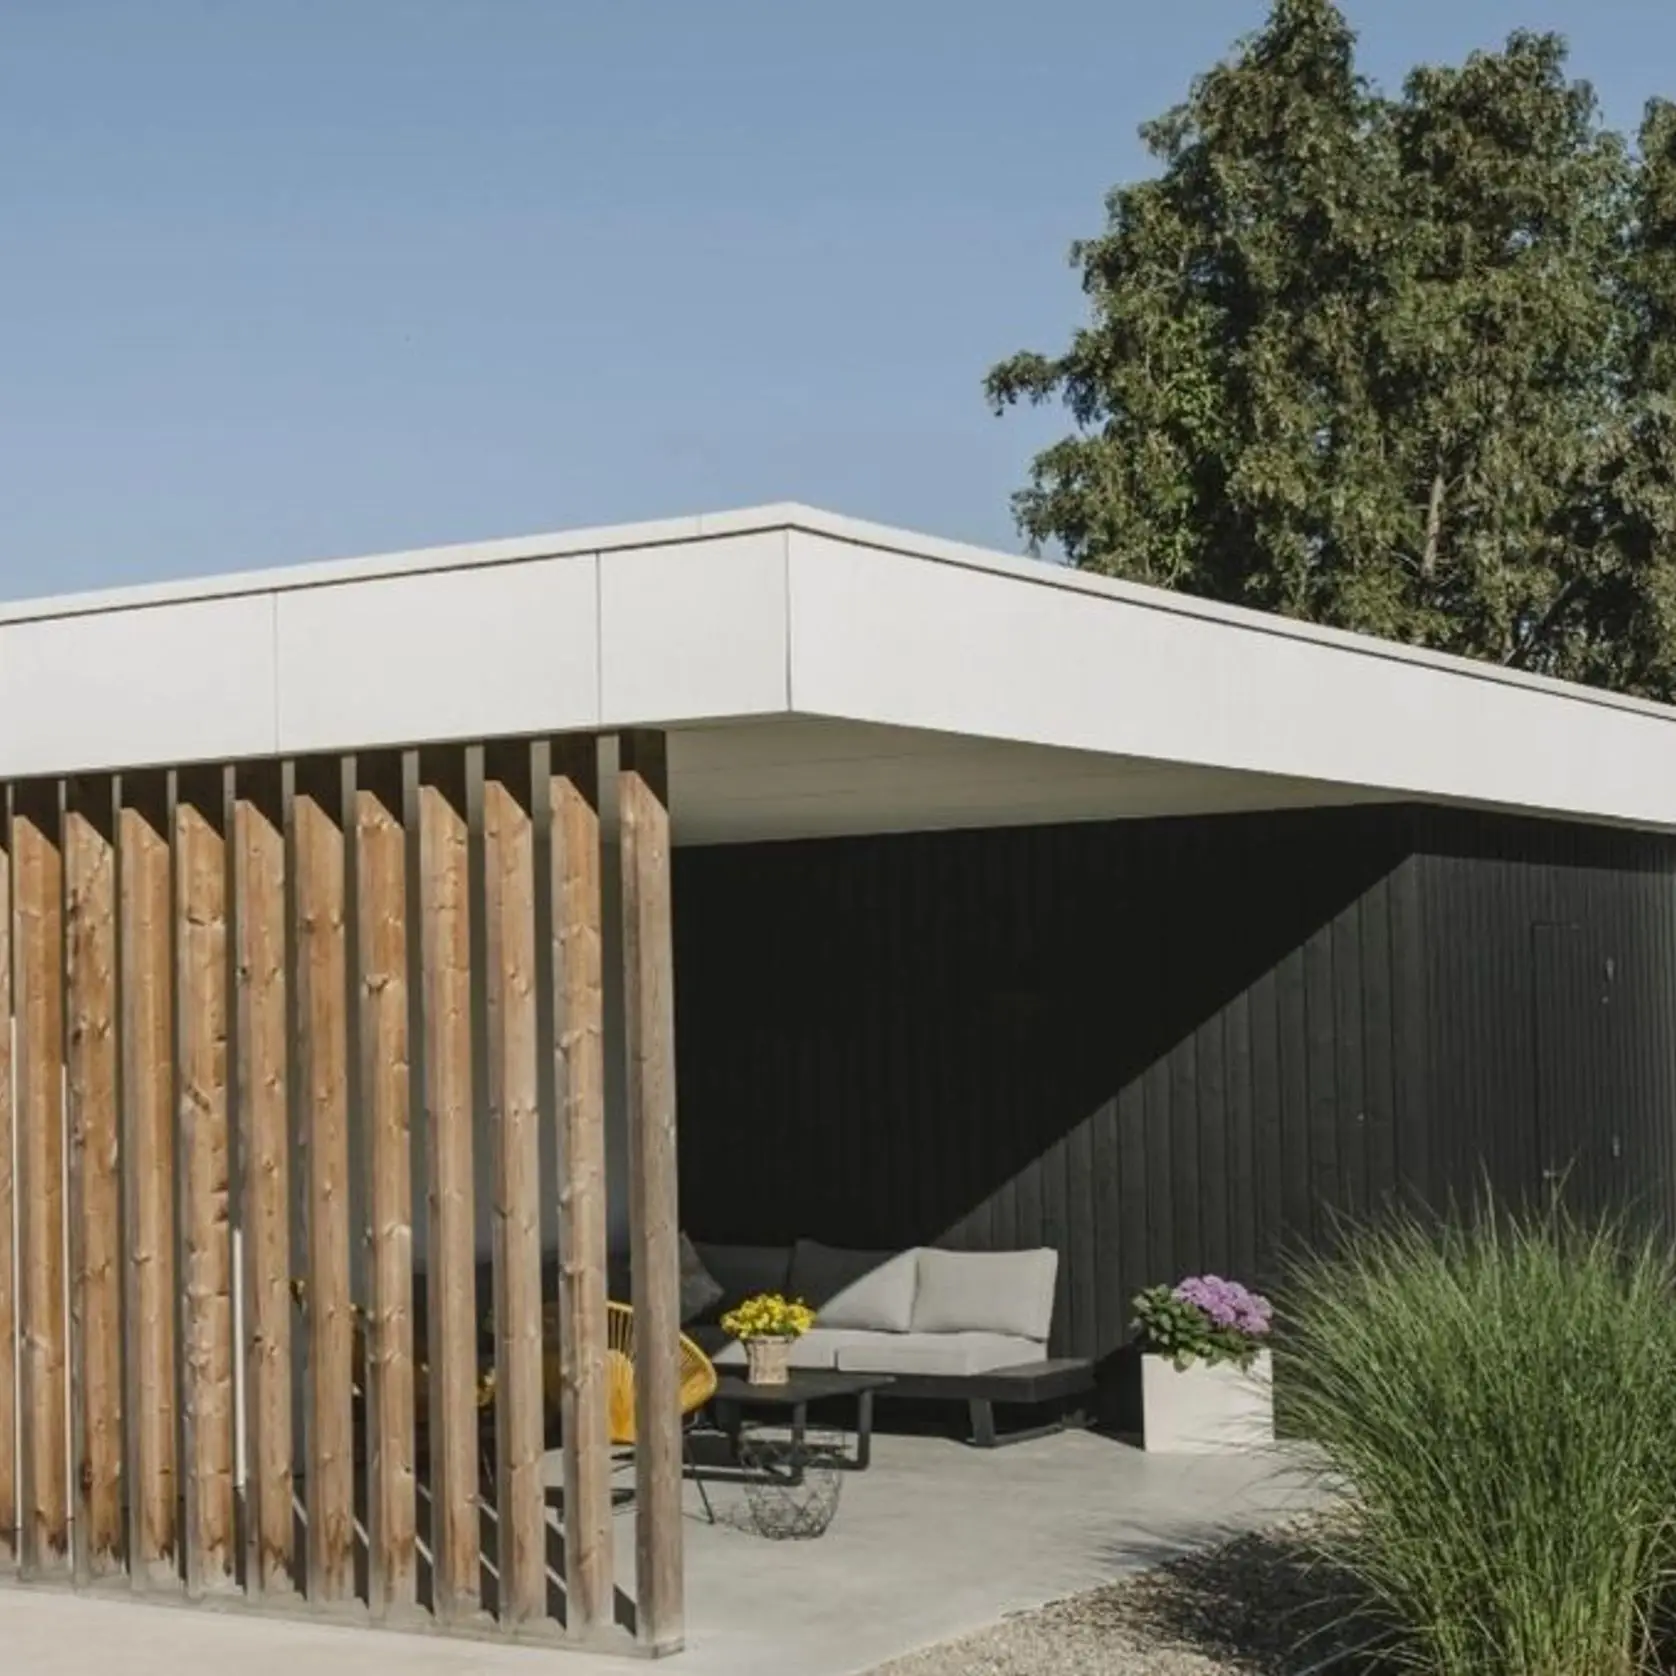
1551 1011
1169 1045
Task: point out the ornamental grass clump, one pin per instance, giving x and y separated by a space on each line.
1498 1400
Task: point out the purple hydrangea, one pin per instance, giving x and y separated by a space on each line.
1227 1304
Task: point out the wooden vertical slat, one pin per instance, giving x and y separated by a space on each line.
323 1085
381 943
445 981
37 900
95 1184
579 1110
509 947
649 1023
8 1203
148 1146
260 1034
205 1176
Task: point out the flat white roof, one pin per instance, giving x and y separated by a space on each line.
825 673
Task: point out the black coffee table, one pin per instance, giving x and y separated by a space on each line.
735 1393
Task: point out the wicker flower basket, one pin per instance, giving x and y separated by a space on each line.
768 1360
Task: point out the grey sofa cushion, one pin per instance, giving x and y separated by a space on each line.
986 1292
947 1354
700 1290
818 1349
744 1270
868 1289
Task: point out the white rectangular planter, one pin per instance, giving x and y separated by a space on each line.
1206 1408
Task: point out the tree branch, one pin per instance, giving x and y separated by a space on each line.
1434 529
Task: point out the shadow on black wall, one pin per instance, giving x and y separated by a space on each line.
1154 1045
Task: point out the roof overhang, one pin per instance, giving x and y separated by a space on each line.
819 675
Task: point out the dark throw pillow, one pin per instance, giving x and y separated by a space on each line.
699 1288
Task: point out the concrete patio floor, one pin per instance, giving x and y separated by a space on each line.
934 1540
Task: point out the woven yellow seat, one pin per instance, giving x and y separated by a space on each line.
698 1376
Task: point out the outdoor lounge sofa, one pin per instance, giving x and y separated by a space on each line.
949 1325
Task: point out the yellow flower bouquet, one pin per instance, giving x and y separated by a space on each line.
769 1315
766 1325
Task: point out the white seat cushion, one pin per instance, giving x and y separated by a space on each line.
1009 1292
936 1353
816 1351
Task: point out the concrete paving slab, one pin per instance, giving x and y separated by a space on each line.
935 1540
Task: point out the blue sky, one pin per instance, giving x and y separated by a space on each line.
299 278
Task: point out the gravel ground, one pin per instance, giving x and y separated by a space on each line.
1259 1606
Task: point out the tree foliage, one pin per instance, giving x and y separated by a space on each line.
1404 364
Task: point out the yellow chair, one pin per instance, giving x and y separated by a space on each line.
698 1385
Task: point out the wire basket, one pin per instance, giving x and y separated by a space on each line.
791 1492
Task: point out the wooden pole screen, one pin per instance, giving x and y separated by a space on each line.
323 1089
38 932
205 1175
8 1203
510 974
148 1149
242 1007
382 1101
649 1022
579 1112
451 1263
260 1028
95 1182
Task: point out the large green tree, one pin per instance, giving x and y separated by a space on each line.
1404 364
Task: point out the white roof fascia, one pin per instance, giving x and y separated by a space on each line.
787 610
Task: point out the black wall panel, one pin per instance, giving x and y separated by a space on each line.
1552 1016
1172 1045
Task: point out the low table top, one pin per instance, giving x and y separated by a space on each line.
802 1385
